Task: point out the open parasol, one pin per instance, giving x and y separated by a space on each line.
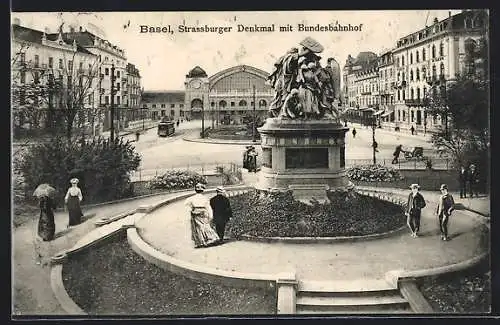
44 190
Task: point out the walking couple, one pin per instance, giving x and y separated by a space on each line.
416 203
204 212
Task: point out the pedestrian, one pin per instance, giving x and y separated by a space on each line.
412 130
137 135
202 233
72 199
396 153
375 146
245 158
462 180
414 206
46 223
252 156
222 211
473 181
354 132
445 207
178 123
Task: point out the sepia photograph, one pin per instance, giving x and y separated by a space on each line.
250 163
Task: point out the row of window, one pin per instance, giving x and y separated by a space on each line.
401 75
162 105
416 117
242 103
417 55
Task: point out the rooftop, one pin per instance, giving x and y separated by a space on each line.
167 96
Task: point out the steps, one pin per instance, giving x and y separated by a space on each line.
374 297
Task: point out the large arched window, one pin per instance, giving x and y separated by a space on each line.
196 103
242 103
411 75
441 49
418 74
222 104
441 70
423 54
262 103
412 93
433 51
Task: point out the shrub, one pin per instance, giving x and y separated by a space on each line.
230 176
102 166
176 179
373 173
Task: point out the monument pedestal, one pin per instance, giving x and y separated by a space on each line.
305 156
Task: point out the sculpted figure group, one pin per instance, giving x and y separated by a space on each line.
304 89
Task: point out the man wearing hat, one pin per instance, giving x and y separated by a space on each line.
416 203
222 211
473 180
445 207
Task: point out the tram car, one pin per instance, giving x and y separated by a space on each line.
166 127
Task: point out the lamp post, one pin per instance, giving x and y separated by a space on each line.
202 121
253 124
374 143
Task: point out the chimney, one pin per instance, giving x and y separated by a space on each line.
81 29
72 29
17 21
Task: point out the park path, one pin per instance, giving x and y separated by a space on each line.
168 229
32 292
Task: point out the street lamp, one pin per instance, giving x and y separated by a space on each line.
253 124
374 143
202 120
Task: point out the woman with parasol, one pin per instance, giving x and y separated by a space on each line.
46 223
72 199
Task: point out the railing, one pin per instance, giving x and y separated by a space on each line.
208 169
404 164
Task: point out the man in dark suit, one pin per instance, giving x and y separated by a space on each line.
473 180
414 206
462 179
444 209
221 210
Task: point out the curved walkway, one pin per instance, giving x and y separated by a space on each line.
167 230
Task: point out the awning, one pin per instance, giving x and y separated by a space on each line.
379 112
387 113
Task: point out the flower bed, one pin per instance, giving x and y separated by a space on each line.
460 292
112 279
279 215
373 173
176 180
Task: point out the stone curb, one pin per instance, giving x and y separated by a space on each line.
394 276
322 240
62 296
235 142
194 271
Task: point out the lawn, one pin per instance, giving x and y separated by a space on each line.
112 279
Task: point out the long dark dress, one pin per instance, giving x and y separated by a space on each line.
46 224
74 209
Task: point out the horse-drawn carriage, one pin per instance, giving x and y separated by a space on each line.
415 153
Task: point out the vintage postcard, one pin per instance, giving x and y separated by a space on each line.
250 163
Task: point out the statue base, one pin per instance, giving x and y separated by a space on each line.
305 156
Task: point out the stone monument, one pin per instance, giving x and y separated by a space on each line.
303 141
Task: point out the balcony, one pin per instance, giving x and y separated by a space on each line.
366 93
435 80
414 102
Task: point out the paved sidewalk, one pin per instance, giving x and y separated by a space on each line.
168 230
32 294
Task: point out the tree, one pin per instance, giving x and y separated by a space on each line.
58 96
463 104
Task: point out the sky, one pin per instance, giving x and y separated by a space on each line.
164 59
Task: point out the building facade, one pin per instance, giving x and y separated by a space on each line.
424 61
231 96
164 103
133 92
51 61
430 58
